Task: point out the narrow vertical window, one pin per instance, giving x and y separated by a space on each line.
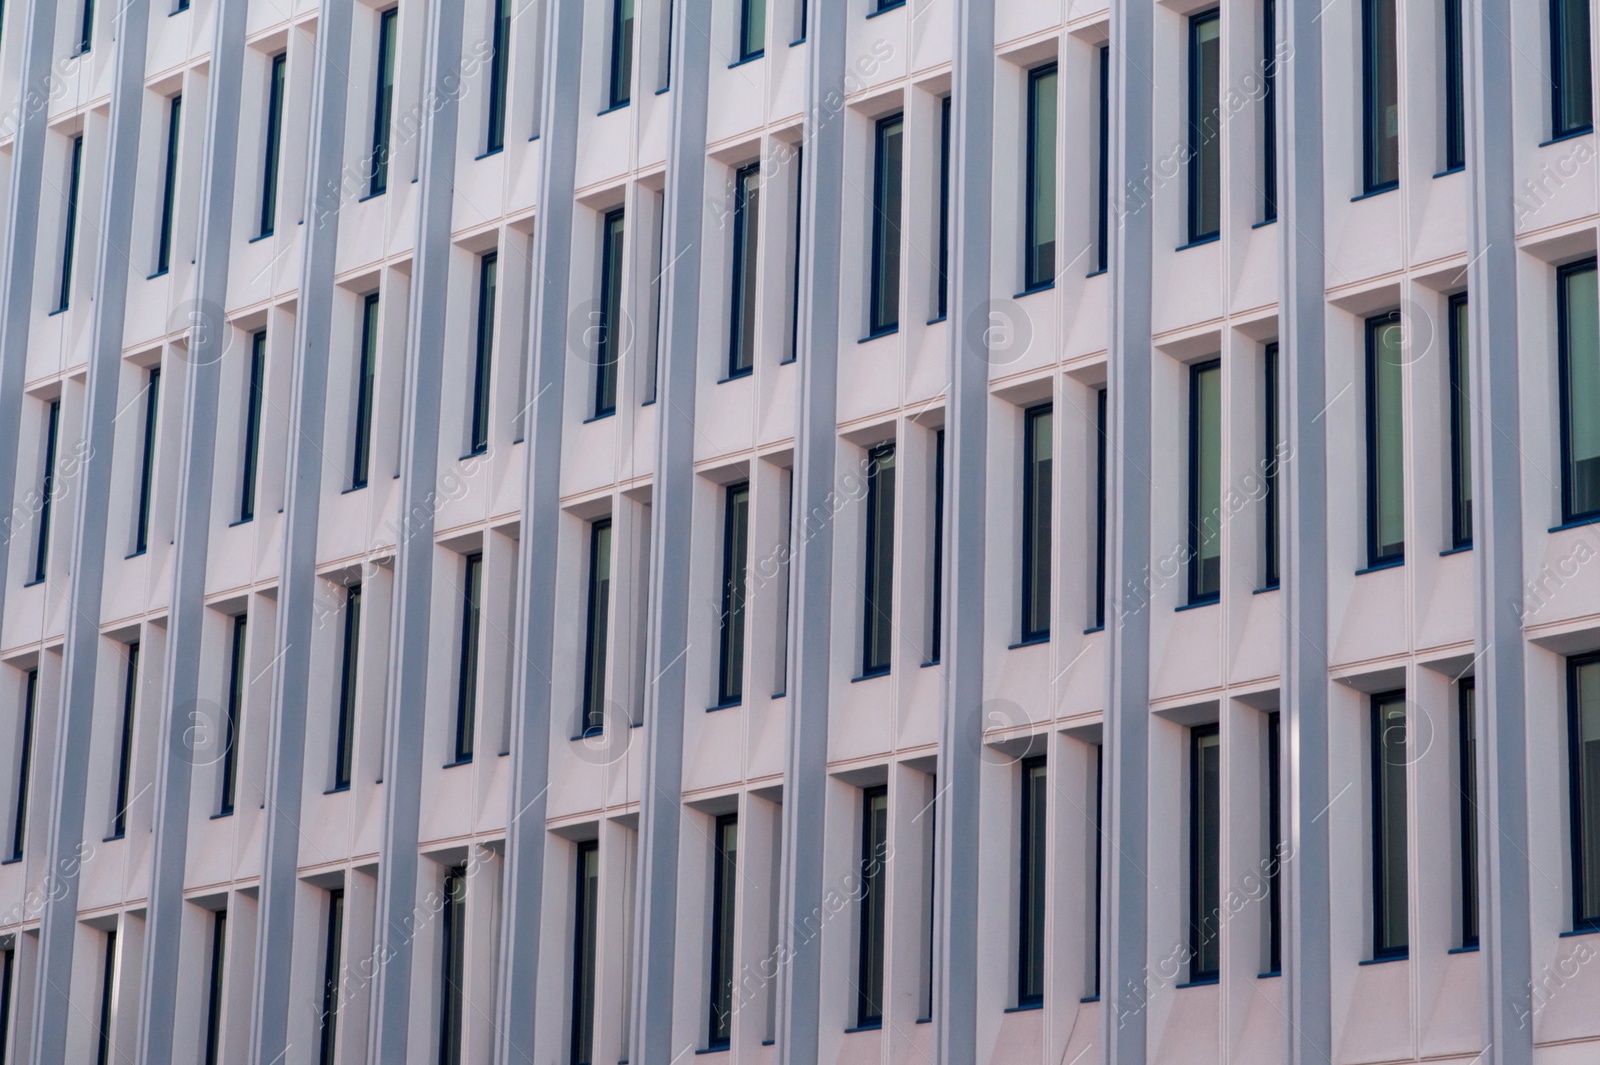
1099 854
349 673
884 296
1572 110
937 620
272 158
1269 110
1102 230
1389 893
585 914
147 463
383 102
86 27
332 950
657 285
252 426
877 629
1380 96
365 372
598 626
1468 775
1039 219
69 240
1205 482
1031 885
169 188
499 67
742 328
724 879
1205 853
874 896
785 586
1578 307
467 660
219 973
8 962
1460 427
609 334
1100 512
231 725
453 971
108 997
1269 466
52 435
1386 501
1274 849
752 29
488 272
621 52
1583 709
19 817
1455 126
1205 138
799 220
1036 524
944 207
130 700
735 551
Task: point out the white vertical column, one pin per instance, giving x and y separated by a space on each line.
1303 752
208 344
537 614
1504 902
76 720
297 590
811 609
960 819
409 635
672 515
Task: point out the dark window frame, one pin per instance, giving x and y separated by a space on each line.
467 658
753 45
1100 512
52 441
1033 527
130 701
70 236
1102 222
744 311
1205 932
1273 440
483 363
584 926
169 186
1198 593
735 578
1269 109
1274 866
1562 79
108 998
255 388
349 675
332 976
1564 275
1372 180
870 933
1381 949
1467 774
1376 555
1035 279
613 237
219 954
383 102
452 964
1032 896
1460 430
1581 921
366 370
19 813
883 299
147 461
724 870
277 78
499 65
597 621
942 304
937 612
237 650
1455 139
877 626
1199 142
619 76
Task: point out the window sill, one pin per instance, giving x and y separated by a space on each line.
618 106
874 675
1270 974
647 403
780 695
751 58
220 816
352 488
936 321
1591 931
737 375
114 837
1024 1007
870 1026
1258 225
726 704
600 416
587 734
260 237
791 360
1265 588
533 138
1384 959
1195 242
58 310
1382 564
797 40
1210 600
1094 273
467 760
1085 1000
1379 191
1204 981
1029 641
489 152
1043 286
475 453
134 554
36 580
374 194
929 664
337 789
1455 550
158 273
1092 629
876 334
663 90
711 1050
12 861
1447 171
1567 136
886 8
924 1020
241 521
1473 949
1575 523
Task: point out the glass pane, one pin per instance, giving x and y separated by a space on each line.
754 35
583 953
723 896
1390 850
1041 250
1036 618
1382 91
1582 351
1469 816
745 208
886 227
611 325
594 670
1205 506
1206 839
1461 422
1034 843
1586 770
1573 110
1205 139
874 859
880 561
736 546
1387 420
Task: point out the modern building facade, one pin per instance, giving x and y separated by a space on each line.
587 531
